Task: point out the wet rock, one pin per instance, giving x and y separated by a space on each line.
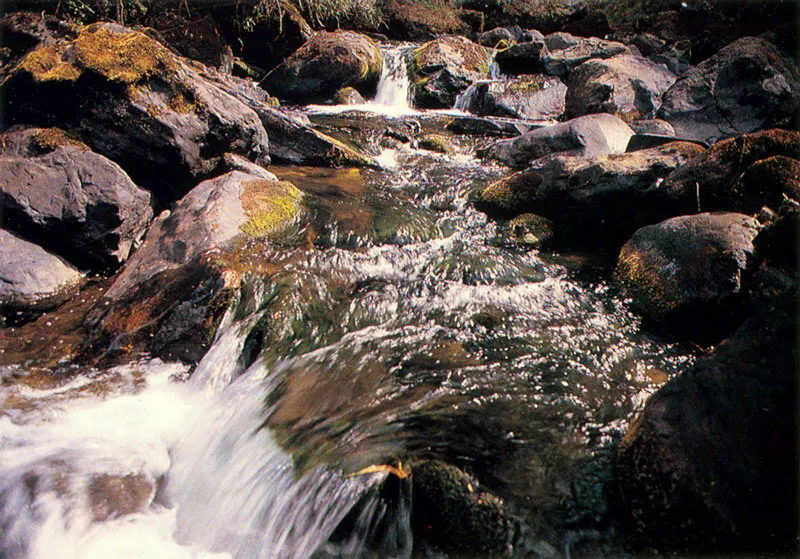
452 514
435 142
348 96
133 101
112 496
74 202
776 245
611 195
710 466
626 85
444 68
527 231
530 97
31 279
488 126
587 135
232 162
172 293
722 179
746 86
685 273
653 127
326 63
566 52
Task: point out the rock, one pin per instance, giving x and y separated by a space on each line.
74 202
611 195
133 101
232 162
523 58
408 20
721 178
197 38
587 135
653 127
685 273
348 96
31 279
112 496
476 126
172 293
21 32
710 466
530 97
444 68
527 231
776 244
435 142
452 514
626 85
746 86
329 61
494 38
566 52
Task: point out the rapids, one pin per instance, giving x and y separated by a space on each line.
399 326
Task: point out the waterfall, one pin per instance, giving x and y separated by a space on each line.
394 87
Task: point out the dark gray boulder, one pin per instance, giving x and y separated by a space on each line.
328 62
133 101
522 58
685 273
597 201
588 135
746 86
31 279
443 68
535 97
710 466
566 52
625 85
653 127
74 202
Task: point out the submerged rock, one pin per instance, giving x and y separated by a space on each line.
452 514
31 279
625 85
529 97
710 466
685 273
112 496
74 202
329 61
172 293
444 68
587 135
132 100
746 86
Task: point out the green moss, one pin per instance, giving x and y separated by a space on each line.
269 206
648 290
435 142
49 139
46 64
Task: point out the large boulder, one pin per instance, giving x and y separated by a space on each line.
685 273
31 279
588 135
591 200
740 174
443 68
710 466
328 62
74 202
535 97
626 85
172 293
132 100
746 86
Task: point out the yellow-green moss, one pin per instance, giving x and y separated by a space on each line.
269 206
527 85
46 64
49 139
435 142
648 289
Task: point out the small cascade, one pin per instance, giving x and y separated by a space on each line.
394 87
465 98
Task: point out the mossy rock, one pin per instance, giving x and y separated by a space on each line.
444 68
452 513
269 206
435 142
528 231
348 96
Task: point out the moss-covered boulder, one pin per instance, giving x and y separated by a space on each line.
132 100
598 200
740 174
526 231
534 97
326 63
588 135
171 294
22 32
746 86
686 273
625 85
451 513
31 279
58 193
443 68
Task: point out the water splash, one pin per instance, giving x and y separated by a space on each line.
394 88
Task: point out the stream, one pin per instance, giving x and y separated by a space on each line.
400 325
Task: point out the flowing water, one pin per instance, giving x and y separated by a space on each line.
401 325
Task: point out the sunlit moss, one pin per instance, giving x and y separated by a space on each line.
269 206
